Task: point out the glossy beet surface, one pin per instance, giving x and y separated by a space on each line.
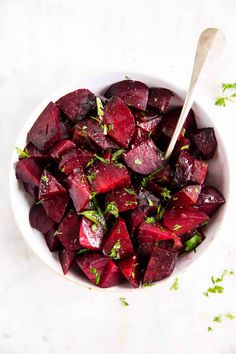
104 196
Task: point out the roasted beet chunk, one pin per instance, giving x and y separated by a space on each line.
133 93
66 259
39 220
29 171
184 220
111 276
62 147
68 231
118 244
124 198
52 242
186 196
182 144
210 200
135 219
130 268
119 120
46 131
139 137
90 234
105 177
32 190
37 154
49 187
93 265
55 208
79 189
168 125
205 142
160 265
148 121
159 97
147 201
77 104
74 159
144 158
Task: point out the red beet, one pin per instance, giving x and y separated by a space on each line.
68 231
74 159
210 200
144 158
90 132
130 268
77 104
119 120
55 208
49 187
52 242
162 176
205 142
187 196
147 201
183 144
200 171
39 220
46 130
60 148
139 137
111 276
79 189
135 219
37 154
32 190
184 220
118 244
66 259
29 171
160 265
124 199
159 97
133 93
93 265
148 121
105 177
90 235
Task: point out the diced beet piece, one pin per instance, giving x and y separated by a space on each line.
55 208
74 159
62 147
35 153
139 137
90 132
93 265
118 244
63 130
184 220
28 170
79 189
144 158
162 176
90 235
148 121
111 276
130 268
46 130
150 126
159 97
123 199
109 176
133 93
39 220
187 196
32 190
49 187
119 120
198 232
135 219
147 201
160 265
210 200
200 170
68 231
77 104
182 144
52 241
66 259
205 142
168 125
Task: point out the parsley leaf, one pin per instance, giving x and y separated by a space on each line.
123 301
112 209
175 285
99 106
45 178
94 227
184 147
165 193
176 227
160 212
216 289
91 215
222 100
130 191
229 316
114 254
150 220
90 163
209 329
192 243
138 162
217 318
82 251
91 177
57 233
147 285
150 202
92 195
100 158
22 153
117 154
228 86
110 127
96 274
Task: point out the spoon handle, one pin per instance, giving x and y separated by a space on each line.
207 47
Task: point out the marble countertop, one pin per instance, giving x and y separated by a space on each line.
43 45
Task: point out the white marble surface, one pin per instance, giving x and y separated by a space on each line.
44 44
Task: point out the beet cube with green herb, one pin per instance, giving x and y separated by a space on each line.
68 231
79 189
49 187
124 198
159 97
29 170
91 234
130 268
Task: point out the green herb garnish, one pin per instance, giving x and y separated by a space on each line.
56 233
90 163
165 193
229 316
175 285
82 251
220 279
100 158
150 202
150 220
184 147
110 127
114 254
160 212
92 195
176 227
147 285
22 153
117 154
62 169
123 301
130 191
222 100
105 129
96 274
217 318
91 215
112 209
216 289
192 243
91 177
209 329
183 132
138 162
45 178
99 106
94 227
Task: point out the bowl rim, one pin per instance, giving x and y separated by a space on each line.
58 93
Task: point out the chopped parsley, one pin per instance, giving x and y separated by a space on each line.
192 243
90 163
123 301
220 279
138 162
62 169
82 251
110 127
117 154
176 227
99 106
114 254
150 220
184 147
160 212
217 318
165 193
22 153
91 177
100 158
105 130
112 209
209 329
45 178
147 285
229 316
150 202
130 191
94 227
183 132
175 285
92 195
91 215
222 100
56 233
96 274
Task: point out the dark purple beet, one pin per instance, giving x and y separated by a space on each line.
52 242
79 189
77 104
124 199
130 268
68 231
49 187
160 265
159 97
183 144
134 93
61 148
46 130
147 201
74 159
148 121
205 142
66 259
39 220
144 158
29 171
55 208
135 219
111 276
32 190
210 200
139 137
91 235
119 120
37 154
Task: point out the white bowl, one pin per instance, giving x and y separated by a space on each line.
98 83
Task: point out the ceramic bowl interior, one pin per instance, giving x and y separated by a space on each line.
21 202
